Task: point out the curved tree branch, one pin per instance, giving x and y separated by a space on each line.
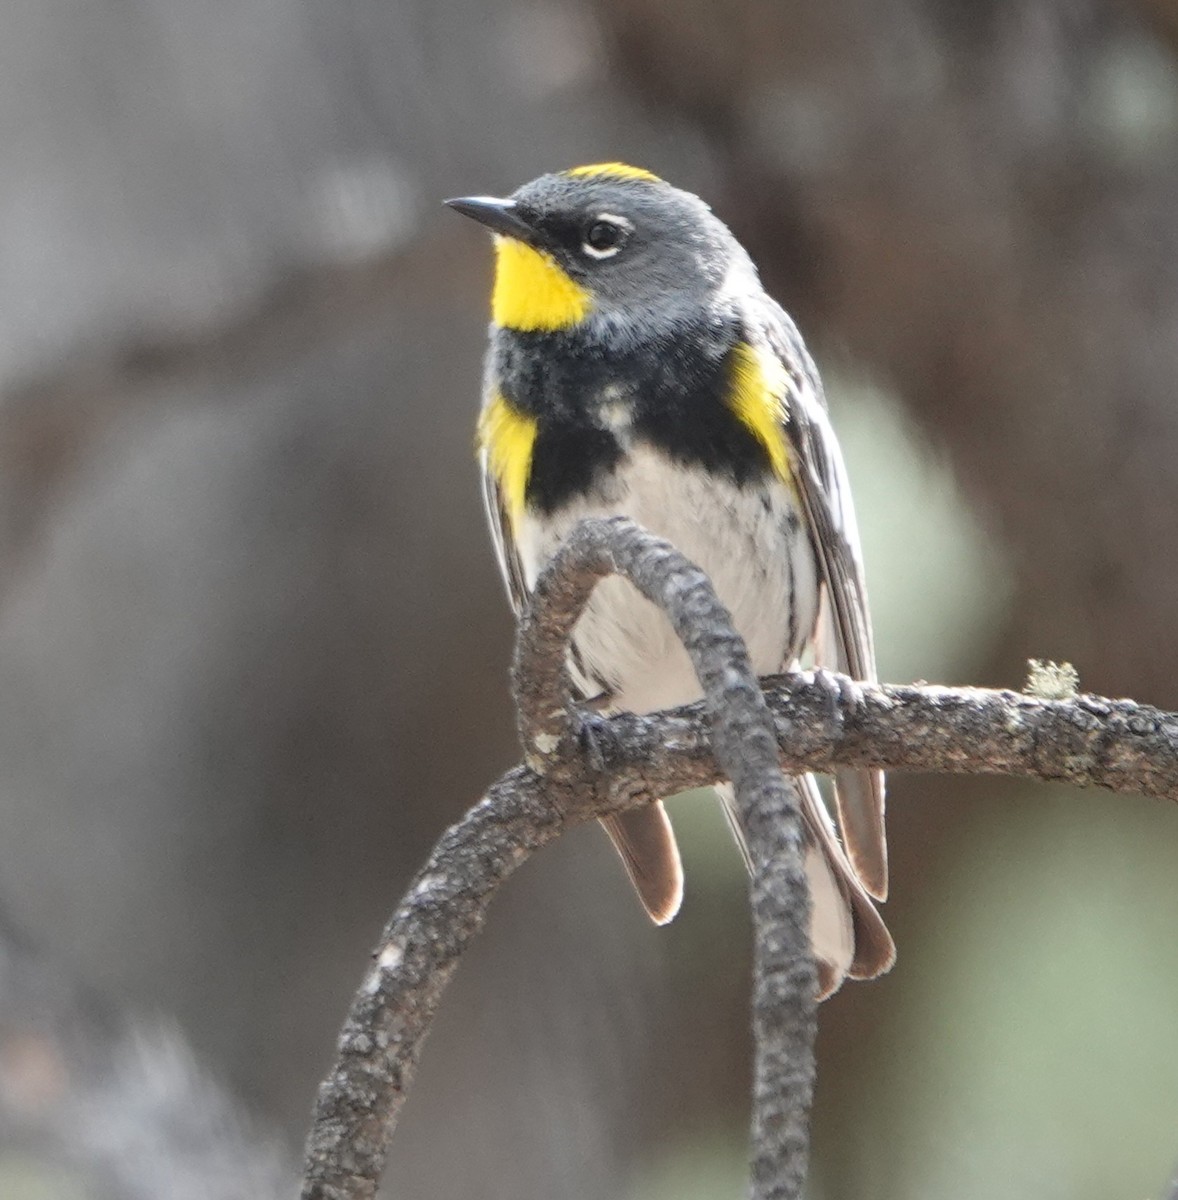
571 777
744 745
358 1103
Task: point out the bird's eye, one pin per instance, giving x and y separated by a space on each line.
602 235
605 236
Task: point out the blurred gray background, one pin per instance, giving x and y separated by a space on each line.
253 647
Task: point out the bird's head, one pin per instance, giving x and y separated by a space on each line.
604 245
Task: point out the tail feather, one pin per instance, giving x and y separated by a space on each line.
644 839
875 952
859 796
848 934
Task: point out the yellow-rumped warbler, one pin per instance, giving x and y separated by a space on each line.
638 367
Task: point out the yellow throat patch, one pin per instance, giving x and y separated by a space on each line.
507 436
532 293
760 385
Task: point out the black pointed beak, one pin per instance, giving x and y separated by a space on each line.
500 216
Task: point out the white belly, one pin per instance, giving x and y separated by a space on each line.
753 548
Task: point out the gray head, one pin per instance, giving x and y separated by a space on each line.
604 245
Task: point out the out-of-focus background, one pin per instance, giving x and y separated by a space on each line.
253 646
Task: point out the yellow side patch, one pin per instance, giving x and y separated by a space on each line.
760 385
532 292
507 437
614 170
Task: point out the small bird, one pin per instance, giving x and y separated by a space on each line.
637 367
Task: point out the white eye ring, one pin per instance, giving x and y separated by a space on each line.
623 226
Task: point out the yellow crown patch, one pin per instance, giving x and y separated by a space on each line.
613 170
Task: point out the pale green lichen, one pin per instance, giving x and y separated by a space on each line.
1047 680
